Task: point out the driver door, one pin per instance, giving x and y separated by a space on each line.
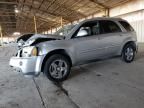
86 42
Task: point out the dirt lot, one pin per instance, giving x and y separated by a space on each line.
108 83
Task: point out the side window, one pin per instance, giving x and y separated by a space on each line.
88 29
126 25
109 27
96 29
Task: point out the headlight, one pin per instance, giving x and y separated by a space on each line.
30 51
34 51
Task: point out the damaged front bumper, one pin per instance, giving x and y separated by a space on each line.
29 66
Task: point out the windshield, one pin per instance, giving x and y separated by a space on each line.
65 30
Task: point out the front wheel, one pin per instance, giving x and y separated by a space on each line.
128 53
57 68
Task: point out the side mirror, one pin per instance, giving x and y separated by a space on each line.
82 33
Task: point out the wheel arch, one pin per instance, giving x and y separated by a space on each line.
56 51
133 43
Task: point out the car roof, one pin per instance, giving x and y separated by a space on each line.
104 18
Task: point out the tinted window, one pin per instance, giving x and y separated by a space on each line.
92 28
109 27
126 26
95 29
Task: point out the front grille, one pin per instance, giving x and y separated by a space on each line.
20 53
25 54
16 54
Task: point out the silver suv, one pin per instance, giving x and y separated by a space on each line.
77 44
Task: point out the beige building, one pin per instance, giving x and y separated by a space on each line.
133 12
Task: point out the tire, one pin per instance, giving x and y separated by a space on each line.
57 68
128 53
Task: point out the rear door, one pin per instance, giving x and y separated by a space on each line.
110 37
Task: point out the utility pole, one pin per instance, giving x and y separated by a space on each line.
61 22
51 29
1 34
35 24
107 12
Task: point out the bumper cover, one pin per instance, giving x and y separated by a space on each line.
29 66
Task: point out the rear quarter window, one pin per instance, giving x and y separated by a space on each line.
126 25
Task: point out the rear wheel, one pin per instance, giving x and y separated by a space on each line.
57 68
128 53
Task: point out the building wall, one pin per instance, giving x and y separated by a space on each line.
133 12
133 5
136 19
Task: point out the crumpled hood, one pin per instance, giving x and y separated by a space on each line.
46 36
38 38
